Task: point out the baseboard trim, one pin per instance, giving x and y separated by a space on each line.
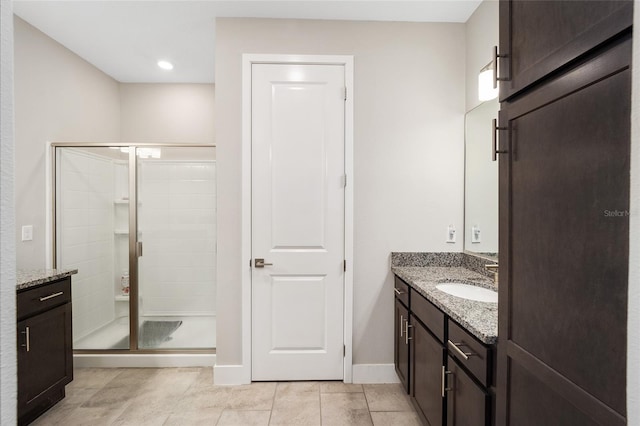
143 360
231 375
375 373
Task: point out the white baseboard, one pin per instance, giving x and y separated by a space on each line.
231 375
143 360
375 373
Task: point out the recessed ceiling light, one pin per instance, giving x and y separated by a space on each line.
165 65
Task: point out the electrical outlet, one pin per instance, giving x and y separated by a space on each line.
451 234
27 233
475 234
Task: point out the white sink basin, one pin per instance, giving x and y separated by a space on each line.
467 291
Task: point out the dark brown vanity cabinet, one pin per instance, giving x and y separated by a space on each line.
468 379
539 37
449 381
564 220
427 369
468 404
45 359
401 346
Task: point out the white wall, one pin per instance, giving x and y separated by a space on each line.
409 111
633 334
482 35
58 97
167 113
7 223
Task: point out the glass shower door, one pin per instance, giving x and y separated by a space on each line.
176 191
92 235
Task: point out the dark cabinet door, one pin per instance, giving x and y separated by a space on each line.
401 346
564 247
44 359
538 37
467 403
427 361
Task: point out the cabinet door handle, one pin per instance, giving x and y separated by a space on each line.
397 290
494 140
455 347
443 386
406 332
401 326
496 79
51 296
27 343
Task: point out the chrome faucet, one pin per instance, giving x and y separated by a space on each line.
493 268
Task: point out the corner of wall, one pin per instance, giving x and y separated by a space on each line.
8 378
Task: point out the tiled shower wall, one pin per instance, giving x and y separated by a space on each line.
177 223
85 236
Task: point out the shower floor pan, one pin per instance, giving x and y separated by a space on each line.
195 332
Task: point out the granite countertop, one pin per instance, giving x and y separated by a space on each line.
31 278
479 318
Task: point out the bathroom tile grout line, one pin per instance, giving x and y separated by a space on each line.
366 400
340 398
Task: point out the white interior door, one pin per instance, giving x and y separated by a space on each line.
298 179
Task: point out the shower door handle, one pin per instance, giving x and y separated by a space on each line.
139 249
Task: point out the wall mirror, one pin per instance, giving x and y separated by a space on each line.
480 182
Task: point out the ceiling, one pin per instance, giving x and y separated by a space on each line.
125 39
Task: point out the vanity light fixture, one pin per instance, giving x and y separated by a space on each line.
165 65
486 91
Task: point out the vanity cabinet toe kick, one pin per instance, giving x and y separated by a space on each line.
448 373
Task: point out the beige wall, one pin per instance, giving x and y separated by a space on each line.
633 333
482 35
409 110
62 98
167 113
58 97
7 223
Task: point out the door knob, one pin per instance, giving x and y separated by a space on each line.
259 263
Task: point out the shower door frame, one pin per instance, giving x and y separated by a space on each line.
135 247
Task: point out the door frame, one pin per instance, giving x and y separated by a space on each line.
247 61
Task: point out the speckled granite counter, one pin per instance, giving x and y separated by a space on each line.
31 278
479 318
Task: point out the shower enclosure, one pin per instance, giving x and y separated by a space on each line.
138 221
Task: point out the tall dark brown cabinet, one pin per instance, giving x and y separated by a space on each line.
565 88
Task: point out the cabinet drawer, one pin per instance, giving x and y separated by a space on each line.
470 352
45 297
401 290
428 314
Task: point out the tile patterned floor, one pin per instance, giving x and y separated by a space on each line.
187 396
